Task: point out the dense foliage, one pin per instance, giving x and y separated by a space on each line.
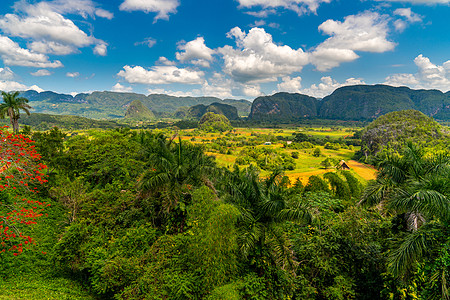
141 215
212 122
393 131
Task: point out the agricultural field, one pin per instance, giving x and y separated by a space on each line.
227 147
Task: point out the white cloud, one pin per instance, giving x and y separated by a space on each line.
171 93
161 75
100 49
258 59
84 8
7 86
299 6
150 42
164 61
162 7
121 88
430 2
41 72
409 17
328 85
195 52
46 27
104 14
217 86
365 32
252 91
13 55
408 14
289 84
52 48
6 74
72 74
429 76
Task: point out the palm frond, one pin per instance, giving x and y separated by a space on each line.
410 251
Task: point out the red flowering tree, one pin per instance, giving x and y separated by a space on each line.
20 175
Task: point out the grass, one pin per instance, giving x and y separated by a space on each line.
42 289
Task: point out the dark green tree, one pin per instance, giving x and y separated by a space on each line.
416 186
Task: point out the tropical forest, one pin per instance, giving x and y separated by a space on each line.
204 203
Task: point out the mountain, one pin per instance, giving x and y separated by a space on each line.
197 111
366 102
395 129
138 111
357 103
283 106
109 105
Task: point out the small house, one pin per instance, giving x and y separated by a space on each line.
342 165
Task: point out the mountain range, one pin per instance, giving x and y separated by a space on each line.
359 102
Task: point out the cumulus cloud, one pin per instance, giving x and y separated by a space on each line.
257 58
164 61
49 31
161 75
72 74
299 6
13 55
7 86
52 48
408 18
217 86
121 88
41 72
162 7
195 52
6 74
100 49
328 85
429 76
84 8
366 32
291 85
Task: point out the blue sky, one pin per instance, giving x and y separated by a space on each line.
223 48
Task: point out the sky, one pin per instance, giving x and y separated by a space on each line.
238 49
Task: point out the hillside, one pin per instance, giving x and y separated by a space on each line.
46 121
112 105
355 103
366 102
283 106
197 111
136 110
394 130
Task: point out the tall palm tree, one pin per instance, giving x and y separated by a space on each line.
172 170
264 204
11 106
416 186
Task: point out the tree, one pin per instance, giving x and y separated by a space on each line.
416 186
11 106
172 170
20 173
263 205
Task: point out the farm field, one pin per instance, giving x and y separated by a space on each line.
227 147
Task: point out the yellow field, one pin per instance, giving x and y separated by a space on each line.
306 164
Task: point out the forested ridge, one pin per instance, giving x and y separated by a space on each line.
146 215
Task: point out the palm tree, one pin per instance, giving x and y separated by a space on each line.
11 106
173 169
264 205
416 186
